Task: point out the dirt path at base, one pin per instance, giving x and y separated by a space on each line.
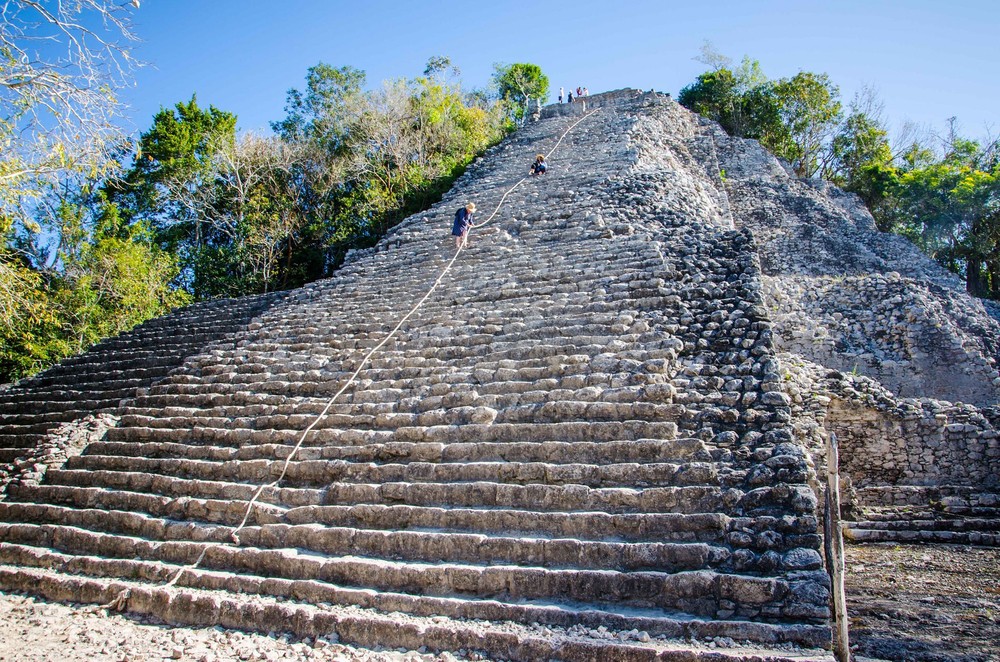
924 602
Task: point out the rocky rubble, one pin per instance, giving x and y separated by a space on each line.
65 441
851 298
880 346
924 603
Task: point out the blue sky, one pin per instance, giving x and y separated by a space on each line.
929 60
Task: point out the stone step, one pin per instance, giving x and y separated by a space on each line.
11 432
939 512
52 412
102 377
415 546
199 329
554 452
330 430
223 511
419 394
317 473
8 455
701 593
590 525
567 322
426 391
546 315
48 407
561 322
990 538
938 498
431 368
163 520
571 497
18 441
387 414
91 367
363 618
981 517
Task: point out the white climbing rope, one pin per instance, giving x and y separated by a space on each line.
525 178
118 602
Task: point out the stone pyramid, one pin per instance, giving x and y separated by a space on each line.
583 445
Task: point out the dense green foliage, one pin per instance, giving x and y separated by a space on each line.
946 200
195 210
71 272
520 84
105 276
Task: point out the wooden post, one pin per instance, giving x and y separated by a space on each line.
833 543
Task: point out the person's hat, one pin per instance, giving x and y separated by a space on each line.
471 206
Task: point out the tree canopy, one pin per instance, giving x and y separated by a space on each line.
71 271
520 84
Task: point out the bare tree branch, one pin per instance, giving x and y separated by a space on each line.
60 64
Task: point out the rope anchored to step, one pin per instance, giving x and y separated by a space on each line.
119 602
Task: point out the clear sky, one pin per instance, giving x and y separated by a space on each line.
928 59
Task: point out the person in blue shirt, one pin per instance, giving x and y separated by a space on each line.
463 221
538 167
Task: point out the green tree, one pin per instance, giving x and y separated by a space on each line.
952 211
323 112
60 66
714 95
440 65
946 202
371 158
743 101
809 107
174 161
105 277
861 159
114 279
247 206
520 84
317 123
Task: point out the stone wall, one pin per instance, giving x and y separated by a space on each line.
878 344
889 442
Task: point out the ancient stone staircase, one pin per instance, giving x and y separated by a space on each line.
114 369
943 514
578 447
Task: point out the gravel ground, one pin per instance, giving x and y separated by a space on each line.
34 630
924 603
906 602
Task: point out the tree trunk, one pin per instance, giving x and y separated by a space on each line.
974 282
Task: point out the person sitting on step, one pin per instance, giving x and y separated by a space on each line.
538 167
463 221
